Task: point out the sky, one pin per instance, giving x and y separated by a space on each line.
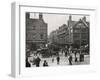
56 20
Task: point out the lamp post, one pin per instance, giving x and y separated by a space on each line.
80 40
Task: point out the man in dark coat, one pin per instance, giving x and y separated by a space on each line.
70 60
37 62
27 63
66 54
81 57
58 60
75 53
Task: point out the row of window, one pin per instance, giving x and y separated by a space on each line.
85 30
82 36
34 28
33 36
82 41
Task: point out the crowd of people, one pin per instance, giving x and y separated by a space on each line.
36 62
77 58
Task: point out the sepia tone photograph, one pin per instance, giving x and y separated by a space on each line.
54 39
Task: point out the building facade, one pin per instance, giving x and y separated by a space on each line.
53 38
60 36
36 32
75 33
63 35
79 32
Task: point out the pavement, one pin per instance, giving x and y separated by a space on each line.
63 61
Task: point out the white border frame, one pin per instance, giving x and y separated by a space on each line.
18 40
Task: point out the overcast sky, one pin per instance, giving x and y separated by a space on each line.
56 20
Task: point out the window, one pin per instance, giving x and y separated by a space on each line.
84 30
76 36
71 30
33 36
41 36
76 30
34 27
84 36
84 42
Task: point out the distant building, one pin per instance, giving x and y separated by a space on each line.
63 35
70 28
53 38
36 32
60 36
75 33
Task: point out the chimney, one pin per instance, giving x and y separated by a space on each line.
70 21
84 19
70 18
40 16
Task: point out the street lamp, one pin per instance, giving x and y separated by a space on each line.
80 40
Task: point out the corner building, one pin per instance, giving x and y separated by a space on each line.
36 32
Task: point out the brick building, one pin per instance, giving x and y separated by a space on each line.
36 32
79 32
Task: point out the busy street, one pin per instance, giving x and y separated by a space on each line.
63 60
62 42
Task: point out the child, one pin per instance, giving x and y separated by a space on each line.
45 63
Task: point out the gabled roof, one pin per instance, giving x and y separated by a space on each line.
81 21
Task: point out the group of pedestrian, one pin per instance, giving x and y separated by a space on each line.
37 62
57 59
68 55
78 57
